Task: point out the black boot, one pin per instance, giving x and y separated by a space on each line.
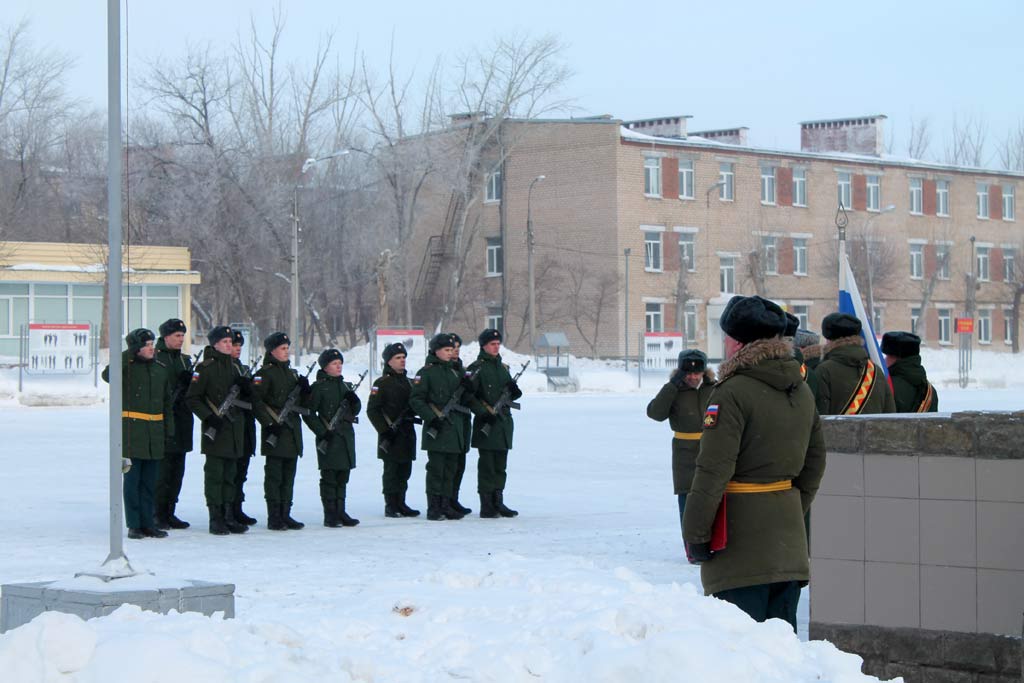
487 509
160 515
233 525
405 509
293 524
136 534
434 512
240 516
173 521
331 514
499 504
275 522
151 532
449 511
391 506
344 517
217 525
459 507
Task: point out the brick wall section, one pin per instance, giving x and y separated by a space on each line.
995 264
928 201
995 202
785 251
784 186
670 178
860 192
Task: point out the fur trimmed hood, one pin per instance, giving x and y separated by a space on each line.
812 352
754 353
855 340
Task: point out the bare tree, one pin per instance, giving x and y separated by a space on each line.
589 292
1011 149
966 143
919 139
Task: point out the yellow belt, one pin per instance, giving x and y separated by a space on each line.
687 436
150 417
746 487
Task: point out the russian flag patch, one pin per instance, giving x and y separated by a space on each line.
257 380
374 389
195 376
711 416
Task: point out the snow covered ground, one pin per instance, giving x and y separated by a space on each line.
589 583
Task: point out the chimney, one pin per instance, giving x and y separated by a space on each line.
731 136
861 135
665 127
467 117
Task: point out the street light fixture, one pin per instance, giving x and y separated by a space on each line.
529 264
296 312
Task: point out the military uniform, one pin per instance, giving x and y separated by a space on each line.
388 403
912 392
467 429
178 366
249 441
811 360
849 383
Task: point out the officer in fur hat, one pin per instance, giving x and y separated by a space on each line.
912 392
848 381
467 427
178 366
249 449
761 459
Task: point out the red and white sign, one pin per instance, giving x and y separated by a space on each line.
59 349
661 349
965 325
413 340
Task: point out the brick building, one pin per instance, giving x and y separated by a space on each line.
703 216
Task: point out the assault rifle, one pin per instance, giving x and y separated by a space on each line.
230 401
393 428
288 408
342 413
504 400
453 404
176 394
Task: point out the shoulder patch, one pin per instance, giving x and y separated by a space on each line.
195 376
711 416
416 379
374 389
257 380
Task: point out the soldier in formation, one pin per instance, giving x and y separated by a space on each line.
249 423
848 381
467 428
912 392
809 345
178 366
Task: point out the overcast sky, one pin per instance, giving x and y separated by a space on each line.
766 65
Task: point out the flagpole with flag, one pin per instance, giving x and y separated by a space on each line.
849 296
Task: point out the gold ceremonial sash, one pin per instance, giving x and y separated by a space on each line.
687 436
746 487
149 417
927 402
855 404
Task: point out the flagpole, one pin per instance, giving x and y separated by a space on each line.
842 220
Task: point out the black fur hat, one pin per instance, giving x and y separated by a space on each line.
440 341
328 356
237 338
276 339
169 327
489 335
749 318
218 333
792 325
901 344
692 360
392 350
136 339
839 325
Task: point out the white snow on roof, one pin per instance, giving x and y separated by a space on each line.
89 268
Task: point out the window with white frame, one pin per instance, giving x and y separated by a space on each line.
942 261
915 317
767 184
916 196
799 187
770 254
945 325
687 257
652 176
1009 205
727 274
1007 325
690 322
494 260
874 193
1009 265
654 317
493 186
495 321
845 191
652 251
802 313
981 189
916 261
983 263
799 256
942 197
984 326
685 179
726 176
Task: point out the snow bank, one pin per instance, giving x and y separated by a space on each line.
503 618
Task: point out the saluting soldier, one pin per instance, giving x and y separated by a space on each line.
682 402
491 379
281 436
849 383
444 438
467 428
249 449
147 416
223 437
336 448
912 392
391 415
762 449
178 366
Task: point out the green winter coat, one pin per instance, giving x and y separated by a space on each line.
328 395
249 449
212 380
465 420
147 415
272 384
178 366
910 386
432 386
760 427
389 399
491 379
684 410
812 359
839 376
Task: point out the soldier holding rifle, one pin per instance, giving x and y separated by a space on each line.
178 443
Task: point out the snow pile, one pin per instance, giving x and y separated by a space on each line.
499 618
989 369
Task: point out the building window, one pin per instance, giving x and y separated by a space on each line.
686 253
1007 325
916 196
727 274
494 260
493 187
982 192
799 256
983 261
654 318
942 197
874 193
845 191
942 261
690 322
770 254
915 316
916 261
1009 265
799 187
726 176
985 326
945 325
1009 206
685 179
652 176
802 313
652 251
767 185
495 321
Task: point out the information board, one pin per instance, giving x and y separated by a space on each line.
59 349
414 341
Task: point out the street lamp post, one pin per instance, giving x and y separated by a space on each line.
529 265
296 312
868 242
625 320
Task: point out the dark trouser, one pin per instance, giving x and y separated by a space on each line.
441 473
279 479
490 471
241 474
138 487
395 479
460 470
219 479
332 484
168 485
766 601
682 507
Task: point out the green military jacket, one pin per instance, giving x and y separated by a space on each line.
212 380
248 420
812 359
273 383
328 395
389 400
911 387
760 427
146 411
432 386
466 421
178 366
684 410
839 376
490 380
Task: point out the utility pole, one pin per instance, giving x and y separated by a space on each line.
529 265
625 321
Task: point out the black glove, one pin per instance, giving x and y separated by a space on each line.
214 421
275 429
437 424
513 387
467 383
698 553
487 418
678 380
184 377
304 385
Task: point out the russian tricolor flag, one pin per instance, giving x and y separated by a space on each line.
850 302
